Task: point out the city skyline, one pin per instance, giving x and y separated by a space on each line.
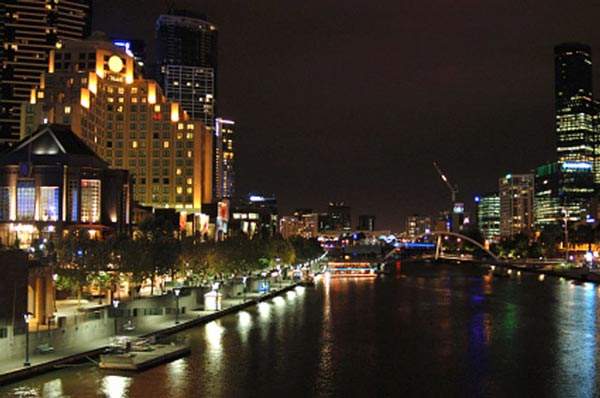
354 103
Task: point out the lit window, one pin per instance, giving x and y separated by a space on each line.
90 201
166 144
25 199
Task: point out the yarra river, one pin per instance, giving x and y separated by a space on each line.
435 331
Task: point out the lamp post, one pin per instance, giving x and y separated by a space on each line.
115 304
215 288
566 219
244 279
54 277
176 292
27 316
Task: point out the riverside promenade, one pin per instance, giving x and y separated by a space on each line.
13 370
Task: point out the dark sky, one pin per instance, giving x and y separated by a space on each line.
353 100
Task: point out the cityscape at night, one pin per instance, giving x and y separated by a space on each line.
312 199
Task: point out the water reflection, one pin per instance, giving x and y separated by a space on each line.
53 389
244 325
177 373
113 386
577 340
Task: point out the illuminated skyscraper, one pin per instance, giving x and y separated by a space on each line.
576 134
224 183
28 31
186 53
516 205
488 216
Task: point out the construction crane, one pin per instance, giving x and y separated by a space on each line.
453 188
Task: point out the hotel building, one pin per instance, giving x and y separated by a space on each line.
96 88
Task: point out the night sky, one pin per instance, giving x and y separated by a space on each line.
353 100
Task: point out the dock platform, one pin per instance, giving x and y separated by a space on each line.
140 360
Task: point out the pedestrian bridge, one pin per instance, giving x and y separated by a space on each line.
437 243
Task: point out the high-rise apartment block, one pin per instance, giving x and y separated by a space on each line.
516 205
95 87
29 30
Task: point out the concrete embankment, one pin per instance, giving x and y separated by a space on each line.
14 370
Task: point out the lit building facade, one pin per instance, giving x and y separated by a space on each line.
128 122
547 196
417 226
516 205
577 150
186 55
224 182
488 216
255 217
290 226
52 181
29 30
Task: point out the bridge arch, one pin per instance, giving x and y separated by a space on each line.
438 245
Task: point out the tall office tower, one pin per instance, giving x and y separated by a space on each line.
128 122
575 130
224 183
488 216
29 29
516 205
186 55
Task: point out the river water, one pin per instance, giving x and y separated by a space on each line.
434 331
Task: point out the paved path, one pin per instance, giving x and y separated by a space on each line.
13 369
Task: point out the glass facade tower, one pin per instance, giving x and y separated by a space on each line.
575 128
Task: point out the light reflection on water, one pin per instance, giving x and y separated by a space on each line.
433 332
115 386
577 349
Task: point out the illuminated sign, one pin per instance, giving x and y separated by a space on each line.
577 166
459 208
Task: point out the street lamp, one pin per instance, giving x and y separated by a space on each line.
244 279
27 316
115 304
176 292
566 219
54 277
215 288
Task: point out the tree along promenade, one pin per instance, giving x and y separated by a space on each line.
13 369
